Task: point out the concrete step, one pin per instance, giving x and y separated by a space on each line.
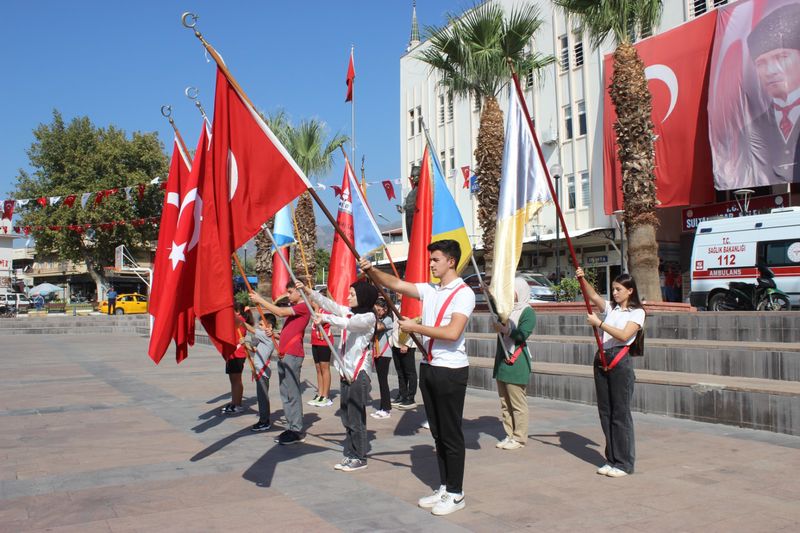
753 326
746 402
762 360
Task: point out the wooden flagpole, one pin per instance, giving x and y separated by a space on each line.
166 110
302 248
189 20
560 214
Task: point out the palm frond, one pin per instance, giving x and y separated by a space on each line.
622 20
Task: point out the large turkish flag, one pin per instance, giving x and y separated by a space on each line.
677 67
343 263
250 177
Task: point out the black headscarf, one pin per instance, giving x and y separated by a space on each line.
366 295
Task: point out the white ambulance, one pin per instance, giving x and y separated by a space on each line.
728 249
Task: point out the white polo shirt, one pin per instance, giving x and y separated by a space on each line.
450 354
619 318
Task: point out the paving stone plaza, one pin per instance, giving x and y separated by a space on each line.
94 437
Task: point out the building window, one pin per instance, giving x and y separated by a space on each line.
586 194
411 123
419 119
443 161
452 154
699 7
564 53
477 103
450 106
441 109
529 79
578 49
581 117
567 122
570 192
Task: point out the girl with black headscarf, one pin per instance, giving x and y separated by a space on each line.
358 325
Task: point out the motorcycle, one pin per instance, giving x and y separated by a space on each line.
8 311
764 295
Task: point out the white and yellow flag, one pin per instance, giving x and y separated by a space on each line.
523 191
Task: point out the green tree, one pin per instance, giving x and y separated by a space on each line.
623 21
80 157
323 260
471 55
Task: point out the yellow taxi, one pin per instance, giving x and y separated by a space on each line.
127 304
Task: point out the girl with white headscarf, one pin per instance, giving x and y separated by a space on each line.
512 367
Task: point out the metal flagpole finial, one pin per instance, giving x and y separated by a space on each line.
193 93
166 110
189 16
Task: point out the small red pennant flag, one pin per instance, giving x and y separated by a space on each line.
42 201
69 201
387 186
141 191
337 191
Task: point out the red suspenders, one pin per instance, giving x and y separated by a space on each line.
440 316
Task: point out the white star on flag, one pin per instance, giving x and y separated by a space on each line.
177 254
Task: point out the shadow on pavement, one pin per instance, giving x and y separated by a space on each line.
219 398
473 428
576 444
214 417
263 470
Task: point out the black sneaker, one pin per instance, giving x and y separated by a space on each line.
283 435
354 464
396 401
292 438
261 426
405 405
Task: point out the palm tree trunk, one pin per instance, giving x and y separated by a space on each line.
634 128
307 237
489 158
264 261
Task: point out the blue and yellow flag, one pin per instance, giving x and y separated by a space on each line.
523 191
446 220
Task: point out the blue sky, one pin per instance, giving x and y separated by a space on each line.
119 62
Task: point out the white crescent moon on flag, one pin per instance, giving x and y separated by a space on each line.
233 175
665 74
192 197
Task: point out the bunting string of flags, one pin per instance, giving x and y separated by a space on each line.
87 198
81 228
388 185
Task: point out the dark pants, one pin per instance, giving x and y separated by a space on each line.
406 373
382 368
443 391
262 392
354 397
112 306
614 393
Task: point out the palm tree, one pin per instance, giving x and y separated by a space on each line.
471 55
623 20
310 147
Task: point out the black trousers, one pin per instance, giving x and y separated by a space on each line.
443 391
353 414
614 393
406 373
382 368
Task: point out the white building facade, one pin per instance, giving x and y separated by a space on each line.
567 105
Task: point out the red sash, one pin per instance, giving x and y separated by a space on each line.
615 361
511 360
440 317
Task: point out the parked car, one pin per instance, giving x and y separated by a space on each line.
16 299
127 304
541 288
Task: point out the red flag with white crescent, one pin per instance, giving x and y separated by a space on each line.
171 296
250 176
351 78
343 263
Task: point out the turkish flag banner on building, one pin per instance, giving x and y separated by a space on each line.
755 79
172 298
343 263
465 174
676 66
250 176
387 186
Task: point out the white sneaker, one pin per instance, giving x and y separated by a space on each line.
450 503
502 443
380 414
616 472
512 445
425 425
325 402
428 502
603 470
341 464
314 402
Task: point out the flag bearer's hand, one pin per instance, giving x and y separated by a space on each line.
364 264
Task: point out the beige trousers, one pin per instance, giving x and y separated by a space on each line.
514 408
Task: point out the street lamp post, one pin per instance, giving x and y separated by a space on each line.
619 216
556 171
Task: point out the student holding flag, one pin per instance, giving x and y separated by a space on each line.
446 308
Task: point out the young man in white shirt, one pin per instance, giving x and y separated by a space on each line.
446 308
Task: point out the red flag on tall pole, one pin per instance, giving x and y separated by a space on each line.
171 299
250 177
417 263
343 263
351 76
